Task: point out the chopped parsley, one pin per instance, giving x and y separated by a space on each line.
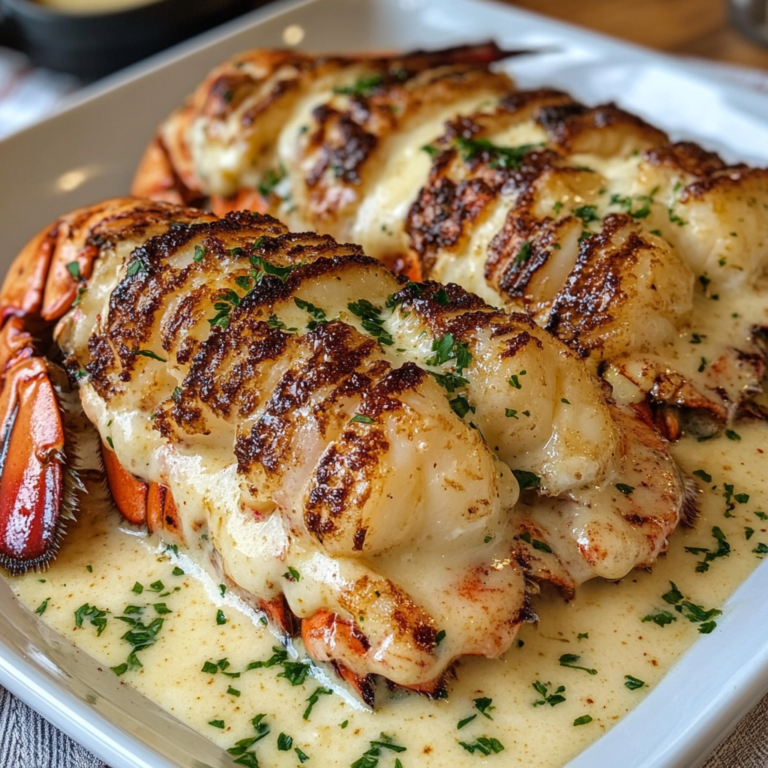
482 705
137 588
199 254
360 418
217 723
149 353
362 87
660 618
548 698
137 265
96 616
535 543
461 406
221 617
224 304
524 253
270 180
284 742
370 758
702 365
526 479
41 609
510 413
295 672
484 745
675 219
233 691
73 267
140 636
624 488
465 721
371 320
514 380
441 297
696 338
632 682
570 659
317 315
583 720
748 532
431 150
587 213
723 550
440 636
761 549
731 435
499 157
292 574
626 203
313 699
241 749
446 348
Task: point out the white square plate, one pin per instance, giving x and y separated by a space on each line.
89 152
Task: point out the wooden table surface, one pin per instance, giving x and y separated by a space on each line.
689 27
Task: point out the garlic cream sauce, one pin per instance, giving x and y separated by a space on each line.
106 563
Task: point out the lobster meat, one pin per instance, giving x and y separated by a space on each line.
384 463
590 219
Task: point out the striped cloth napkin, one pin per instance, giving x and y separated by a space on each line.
26 740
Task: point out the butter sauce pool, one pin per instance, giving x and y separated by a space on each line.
103 560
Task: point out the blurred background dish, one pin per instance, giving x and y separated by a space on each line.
92 38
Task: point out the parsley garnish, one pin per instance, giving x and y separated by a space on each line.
461 406
371 320
440 636
526 479
360 418
624 488
284 742
661 618
548 698
370 758
514 380
484 745
441 297
696 338
140 636
570 659
524 253
723 550
583 720
464 722
316 314
761 549
96 616
483 704
240 750
73 267
216 723
362 87
500 157
449 381
535 543
431 150
633 683
270 181
199 254
292 574
447 348
295 672
731 435
221 617
675 219
149 353
313 699
510 413
41 609
587 213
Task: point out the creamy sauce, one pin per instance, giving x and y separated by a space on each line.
618 642
93 6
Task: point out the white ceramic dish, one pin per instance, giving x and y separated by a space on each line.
89 152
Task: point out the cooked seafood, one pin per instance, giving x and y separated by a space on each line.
347 446
589 218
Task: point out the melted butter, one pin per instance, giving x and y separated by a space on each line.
618 642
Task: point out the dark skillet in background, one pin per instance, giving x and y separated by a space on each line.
91 45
